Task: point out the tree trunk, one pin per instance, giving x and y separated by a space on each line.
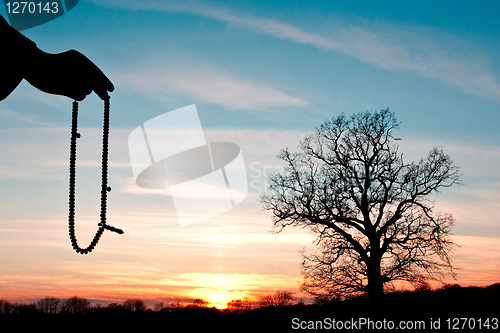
375 288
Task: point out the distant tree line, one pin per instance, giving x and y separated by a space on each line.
75 304
79 305
274 311
454 294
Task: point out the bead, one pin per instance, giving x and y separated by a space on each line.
72 180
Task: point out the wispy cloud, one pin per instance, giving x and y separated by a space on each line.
422 53
208 85
431 54
195 245
47 157
9 116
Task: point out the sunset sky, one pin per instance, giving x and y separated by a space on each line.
262 74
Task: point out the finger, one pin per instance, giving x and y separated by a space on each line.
81 93
101 82
78 97
107 84
92 78
103 94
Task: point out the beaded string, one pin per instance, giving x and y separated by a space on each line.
104 181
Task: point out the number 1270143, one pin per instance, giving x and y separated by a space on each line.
24 7
472 323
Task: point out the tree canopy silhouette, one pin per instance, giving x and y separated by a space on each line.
279 298
49 305
76 304
371 211
134 304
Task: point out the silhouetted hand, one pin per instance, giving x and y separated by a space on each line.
69 74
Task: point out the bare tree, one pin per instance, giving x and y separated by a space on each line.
114 305
175 306
244 304
159 306
49 305
279 298
139 305
199 302
96 307
75 304
235 304
370 211
134 305
5 307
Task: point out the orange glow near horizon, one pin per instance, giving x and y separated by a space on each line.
255 262
263 77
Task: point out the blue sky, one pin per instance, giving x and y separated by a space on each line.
431 64
262 75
